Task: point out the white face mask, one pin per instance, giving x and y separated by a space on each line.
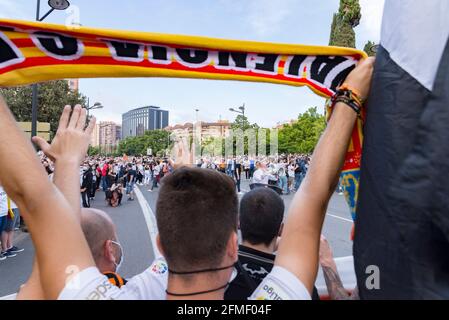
119 264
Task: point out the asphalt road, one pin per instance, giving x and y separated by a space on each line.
133 232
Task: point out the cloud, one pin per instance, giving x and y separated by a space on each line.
266 16
369 28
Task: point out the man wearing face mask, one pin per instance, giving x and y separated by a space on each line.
101 236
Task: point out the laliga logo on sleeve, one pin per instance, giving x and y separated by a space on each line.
159 267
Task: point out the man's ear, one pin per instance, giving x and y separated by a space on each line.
233 246
159 245
281 229
108 251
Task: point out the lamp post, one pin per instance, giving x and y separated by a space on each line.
241 108
54 5
96 105
196 114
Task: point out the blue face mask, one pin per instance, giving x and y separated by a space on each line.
119 264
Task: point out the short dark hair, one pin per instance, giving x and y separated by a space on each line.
261 215
196 213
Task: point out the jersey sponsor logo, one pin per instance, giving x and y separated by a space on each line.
270 290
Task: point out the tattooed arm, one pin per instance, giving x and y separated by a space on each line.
334 285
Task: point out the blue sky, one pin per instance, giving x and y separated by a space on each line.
283 21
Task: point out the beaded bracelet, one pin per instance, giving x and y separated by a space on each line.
348 96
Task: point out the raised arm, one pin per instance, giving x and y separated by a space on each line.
67 150
66 177
335 287
298 250
55 230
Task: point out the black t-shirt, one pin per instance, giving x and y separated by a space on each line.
256 266
131 175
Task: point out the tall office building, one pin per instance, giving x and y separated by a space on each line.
135 122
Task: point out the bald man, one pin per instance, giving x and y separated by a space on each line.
100 233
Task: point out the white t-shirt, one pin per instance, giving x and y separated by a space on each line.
291 171
262 176
280 167
140 168
150 284
280 284
4 203
90 284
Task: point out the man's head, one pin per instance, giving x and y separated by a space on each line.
101 236
197 219
261 214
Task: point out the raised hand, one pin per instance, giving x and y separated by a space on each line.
181 153
72 138
326 255
359 79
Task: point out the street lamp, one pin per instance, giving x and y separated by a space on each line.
96 105
242 110
54 5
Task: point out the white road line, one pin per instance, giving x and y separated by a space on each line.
150 220
337 217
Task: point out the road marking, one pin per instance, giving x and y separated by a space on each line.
338 217
150 220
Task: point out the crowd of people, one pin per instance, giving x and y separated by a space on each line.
197 211
282 171
117 176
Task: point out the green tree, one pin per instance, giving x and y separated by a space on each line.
212 146
369 48
52 97
93 151
302 135
343 24
157 140
241 122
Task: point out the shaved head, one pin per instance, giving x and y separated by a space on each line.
97 227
